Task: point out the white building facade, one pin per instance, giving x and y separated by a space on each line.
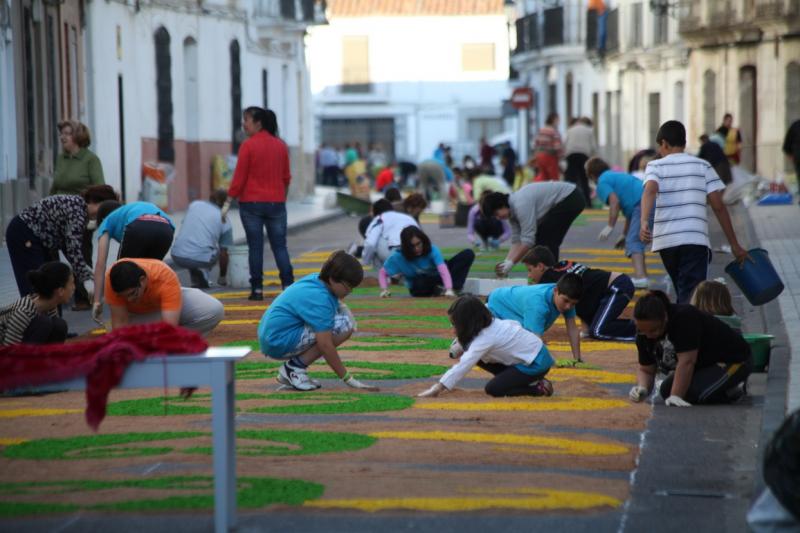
410 75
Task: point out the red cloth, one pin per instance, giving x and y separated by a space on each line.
262 170
547 167
102 360
385 177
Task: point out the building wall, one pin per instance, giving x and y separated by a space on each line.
202 123
8 107
418 81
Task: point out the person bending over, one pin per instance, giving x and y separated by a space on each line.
488 232
605 294
382 236
308 320
139 291
421 264
536 307
712 359
517 358
539 213
33 319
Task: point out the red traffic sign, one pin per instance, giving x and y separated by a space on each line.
522 98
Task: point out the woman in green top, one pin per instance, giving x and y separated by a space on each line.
77 169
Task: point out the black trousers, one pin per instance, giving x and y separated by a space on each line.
576 173
508 381
488 227
710 384
606 324
45 329
458 265
81 296
148 239
687 266
26 252
553 226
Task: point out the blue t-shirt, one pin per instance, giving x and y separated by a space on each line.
114 224
419 266
530 305
306 302
628 189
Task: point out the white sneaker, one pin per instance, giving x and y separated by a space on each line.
295 377
640 283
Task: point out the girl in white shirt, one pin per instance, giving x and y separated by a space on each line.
517 358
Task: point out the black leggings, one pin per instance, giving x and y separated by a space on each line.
458 265
508 380
45 329
576 173
555 224
148 239
710 384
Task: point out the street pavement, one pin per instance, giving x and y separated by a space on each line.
698 467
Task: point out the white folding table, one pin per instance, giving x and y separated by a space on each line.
214 368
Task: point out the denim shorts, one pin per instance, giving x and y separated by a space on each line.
343 322
633 244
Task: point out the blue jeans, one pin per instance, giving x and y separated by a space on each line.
256 215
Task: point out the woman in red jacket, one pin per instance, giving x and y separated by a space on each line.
260 182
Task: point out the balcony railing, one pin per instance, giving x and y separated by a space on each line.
278 11
612 32
602 40
527 33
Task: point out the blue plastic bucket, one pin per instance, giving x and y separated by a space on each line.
757 279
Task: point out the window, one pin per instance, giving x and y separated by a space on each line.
636 26
654 114
264 89
166 132
355 64
479 128
477 57
660 27
678 113
709 101
236 97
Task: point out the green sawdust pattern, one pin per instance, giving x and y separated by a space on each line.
318 403
369 343
404 321
406 303
360 369
571 363
252 493
108 446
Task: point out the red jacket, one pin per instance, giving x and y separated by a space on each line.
262 170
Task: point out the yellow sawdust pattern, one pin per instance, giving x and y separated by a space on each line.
530 499
16 413
538 404
511 442
594 376
10 441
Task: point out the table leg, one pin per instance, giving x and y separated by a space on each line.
224 440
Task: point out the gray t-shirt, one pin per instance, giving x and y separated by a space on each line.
202 233
530 204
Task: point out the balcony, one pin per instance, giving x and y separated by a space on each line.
277 13
600 42
527 33
554 26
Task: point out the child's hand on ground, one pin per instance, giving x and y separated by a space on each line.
677 401
637 393
386 293
433 392
502 269
604 233
620 244
352 382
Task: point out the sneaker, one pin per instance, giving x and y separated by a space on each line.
640 283
256 296
296 378
542 387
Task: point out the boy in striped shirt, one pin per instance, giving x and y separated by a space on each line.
677 186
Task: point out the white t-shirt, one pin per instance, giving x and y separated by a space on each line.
202 232
681 215
385 227
502 341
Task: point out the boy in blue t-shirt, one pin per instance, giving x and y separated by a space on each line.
308 321
622 192
536 307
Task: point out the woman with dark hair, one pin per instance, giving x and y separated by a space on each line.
56 223
260 183
142 230
711 358
517 358
34 318
426 273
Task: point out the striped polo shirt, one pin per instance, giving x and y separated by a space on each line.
681 217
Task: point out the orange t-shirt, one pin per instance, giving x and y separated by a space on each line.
163 291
